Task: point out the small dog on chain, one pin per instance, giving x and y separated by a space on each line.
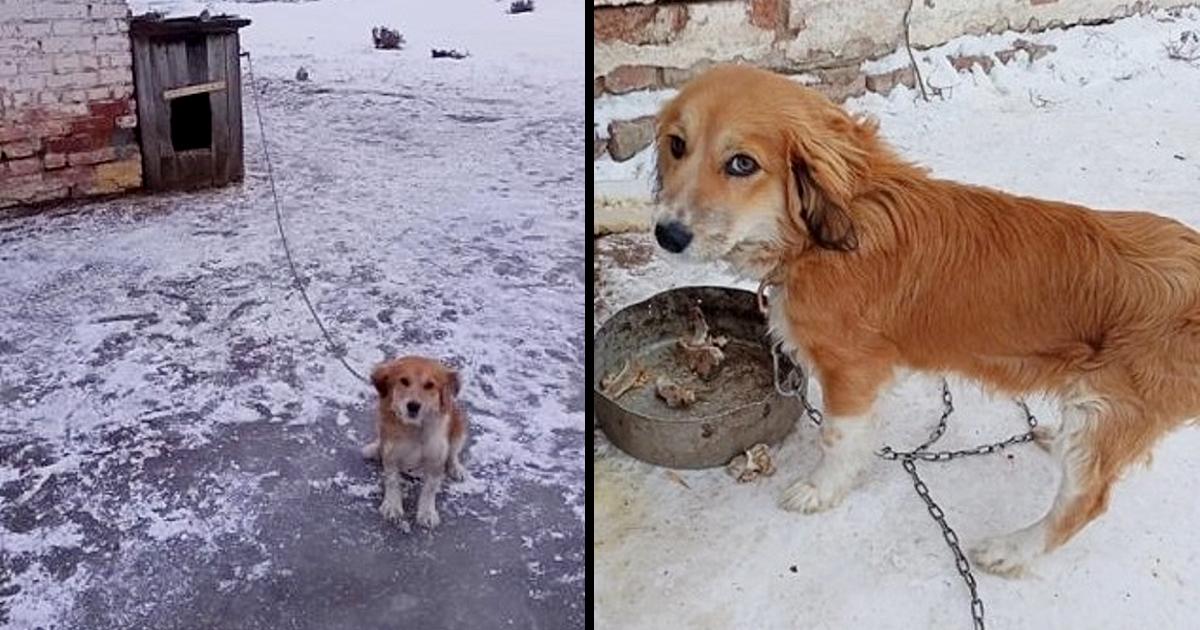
421 428
873 265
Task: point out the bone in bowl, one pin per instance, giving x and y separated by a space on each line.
735 407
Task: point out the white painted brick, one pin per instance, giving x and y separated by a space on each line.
67 27
110 10
29 82
91 62
8 67
110 76
73 80
48 97
32 29
69 43
42 9
112 43
35 64
102 27
117 60
123 90
99 94
68 62
21 99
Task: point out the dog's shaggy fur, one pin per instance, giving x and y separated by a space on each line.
875 265
421 428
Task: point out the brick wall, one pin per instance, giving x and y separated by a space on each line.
67 115
647 45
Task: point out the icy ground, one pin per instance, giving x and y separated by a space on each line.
1107 120
178 449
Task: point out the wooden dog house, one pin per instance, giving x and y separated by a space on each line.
188 81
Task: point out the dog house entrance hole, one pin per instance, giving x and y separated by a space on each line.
191 122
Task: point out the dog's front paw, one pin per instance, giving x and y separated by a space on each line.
371 451
428 518
1009 556
807 497
456 471
394 511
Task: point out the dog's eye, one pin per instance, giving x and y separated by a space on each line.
678 146
404 382
428 384
741 166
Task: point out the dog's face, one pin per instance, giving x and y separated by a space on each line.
749 161
416 389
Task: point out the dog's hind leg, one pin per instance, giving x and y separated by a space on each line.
371 451
1097 441
454 466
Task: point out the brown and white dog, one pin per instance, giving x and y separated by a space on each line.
421 428
873 265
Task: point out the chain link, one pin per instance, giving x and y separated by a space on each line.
795 384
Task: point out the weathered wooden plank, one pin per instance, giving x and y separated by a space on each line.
219 101
233 77
161 71
189 90
149 110
197 53
195 167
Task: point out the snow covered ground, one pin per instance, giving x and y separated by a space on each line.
1108 120
178 449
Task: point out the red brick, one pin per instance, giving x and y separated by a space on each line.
50 128
104 154
676 77
93 125
627 137
963 63
884 83
629 78
75 143
639 25
109 109
16 132
20 148
31 189
71 176
766 14
24 166
52 161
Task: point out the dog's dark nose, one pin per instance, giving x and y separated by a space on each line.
413 408
673 236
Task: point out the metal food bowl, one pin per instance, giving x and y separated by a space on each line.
736 408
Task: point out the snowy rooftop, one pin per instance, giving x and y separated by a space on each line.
1108 120
177 446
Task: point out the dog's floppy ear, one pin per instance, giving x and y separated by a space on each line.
827 165
828 224
380 379
450 389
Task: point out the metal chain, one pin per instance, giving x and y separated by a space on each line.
795 384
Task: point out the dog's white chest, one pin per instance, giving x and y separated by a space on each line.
406 454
